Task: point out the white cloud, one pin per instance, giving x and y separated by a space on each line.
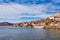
14 11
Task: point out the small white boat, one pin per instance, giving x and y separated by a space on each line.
38 26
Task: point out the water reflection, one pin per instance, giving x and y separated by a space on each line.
53 34
29 34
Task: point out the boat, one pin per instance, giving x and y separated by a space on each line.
39 27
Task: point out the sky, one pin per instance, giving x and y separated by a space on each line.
27 10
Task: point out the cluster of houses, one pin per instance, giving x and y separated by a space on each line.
30 24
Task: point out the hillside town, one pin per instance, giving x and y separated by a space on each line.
54 21
50 22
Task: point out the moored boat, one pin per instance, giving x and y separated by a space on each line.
39 27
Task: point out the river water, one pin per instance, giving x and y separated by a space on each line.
17 33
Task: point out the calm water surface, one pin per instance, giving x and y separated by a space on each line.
16 33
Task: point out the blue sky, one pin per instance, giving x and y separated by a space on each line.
27 10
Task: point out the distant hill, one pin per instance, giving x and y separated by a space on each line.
5 24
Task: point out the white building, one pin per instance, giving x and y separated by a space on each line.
57 16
